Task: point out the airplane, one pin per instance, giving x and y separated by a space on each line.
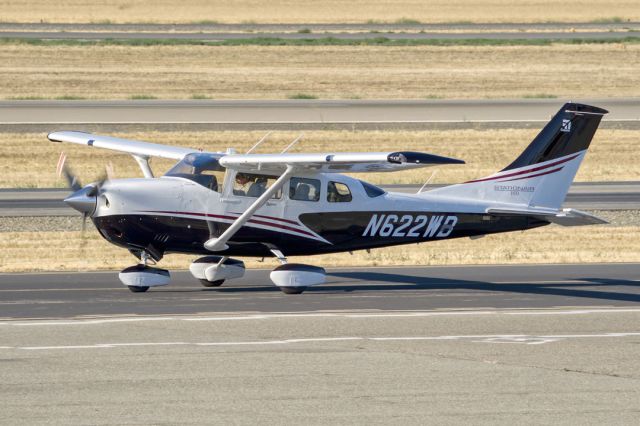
224 205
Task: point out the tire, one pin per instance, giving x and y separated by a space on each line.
216 283
137 289
293 290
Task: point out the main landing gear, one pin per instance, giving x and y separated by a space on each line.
294 278
213 271
140 277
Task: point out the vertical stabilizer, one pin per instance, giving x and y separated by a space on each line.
541 175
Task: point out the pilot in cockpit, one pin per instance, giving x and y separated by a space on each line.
242 184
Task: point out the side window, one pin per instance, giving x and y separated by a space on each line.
211 179
250 185
338 193
303 189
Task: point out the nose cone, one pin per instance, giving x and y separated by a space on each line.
83 200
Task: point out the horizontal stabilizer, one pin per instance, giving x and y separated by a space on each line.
523 211
564 217
572 217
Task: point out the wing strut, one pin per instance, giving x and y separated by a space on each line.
220 243
143 162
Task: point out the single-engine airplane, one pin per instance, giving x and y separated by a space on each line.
224 204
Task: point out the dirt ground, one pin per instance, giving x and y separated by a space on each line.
323 11
325 72
29 160
68 251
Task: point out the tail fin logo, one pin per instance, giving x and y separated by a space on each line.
566 126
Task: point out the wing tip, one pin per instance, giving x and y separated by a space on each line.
412 157
57 135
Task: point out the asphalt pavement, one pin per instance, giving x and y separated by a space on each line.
551 344
226 36
276 114
371 27
64 295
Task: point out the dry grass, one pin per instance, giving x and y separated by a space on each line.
329 72
305 11
29 160
66 251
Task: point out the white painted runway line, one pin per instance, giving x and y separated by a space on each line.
344 315
479 338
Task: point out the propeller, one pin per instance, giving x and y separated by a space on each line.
83 199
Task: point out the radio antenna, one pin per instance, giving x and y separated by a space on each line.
264 138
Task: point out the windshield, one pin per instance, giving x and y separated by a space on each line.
201 168
372 190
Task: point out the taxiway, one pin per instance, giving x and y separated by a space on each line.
70 295
488 345
48 116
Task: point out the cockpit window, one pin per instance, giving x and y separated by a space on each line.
338 192
304 189
201 168
251 185
372 190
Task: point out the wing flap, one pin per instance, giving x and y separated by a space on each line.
143 149
347 162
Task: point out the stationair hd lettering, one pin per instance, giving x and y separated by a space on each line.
514 189
408 225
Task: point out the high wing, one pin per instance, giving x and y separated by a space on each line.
136 148
346 162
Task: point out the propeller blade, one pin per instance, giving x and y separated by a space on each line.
64 170
84 224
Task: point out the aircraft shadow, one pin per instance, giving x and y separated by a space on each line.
566 289
380 281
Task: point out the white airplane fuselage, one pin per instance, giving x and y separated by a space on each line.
172 214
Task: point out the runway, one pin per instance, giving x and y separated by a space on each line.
64 295
489 345
582 195
230 36
169 29
297 114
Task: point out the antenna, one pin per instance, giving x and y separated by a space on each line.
295 141
428 180
264 138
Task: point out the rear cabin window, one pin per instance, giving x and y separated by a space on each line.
338 193
303 189
250 185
